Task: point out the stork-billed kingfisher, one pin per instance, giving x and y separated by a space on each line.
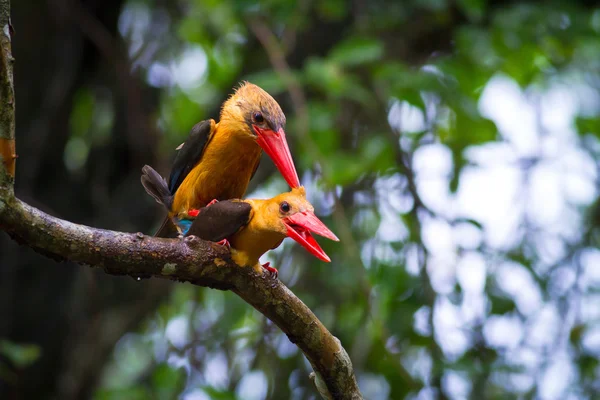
254 226
217 160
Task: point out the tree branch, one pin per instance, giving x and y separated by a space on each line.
190 260
7 97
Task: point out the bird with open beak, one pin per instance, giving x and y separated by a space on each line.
218 160
253 226
250 227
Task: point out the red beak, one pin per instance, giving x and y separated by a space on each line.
276 147
299 227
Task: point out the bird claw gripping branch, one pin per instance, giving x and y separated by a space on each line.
224 242
272 270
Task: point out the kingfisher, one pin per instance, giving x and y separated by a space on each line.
254 226
218 159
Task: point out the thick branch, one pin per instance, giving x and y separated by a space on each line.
191 260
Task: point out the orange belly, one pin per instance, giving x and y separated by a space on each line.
251 243
223 172
259 235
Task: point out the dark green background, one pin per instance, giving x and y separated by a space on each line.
431 299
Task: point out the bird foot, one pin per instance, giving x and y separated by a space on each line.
224 242
272 271
193 212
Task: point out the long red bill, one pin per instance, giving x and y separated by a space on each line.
276 147
299 227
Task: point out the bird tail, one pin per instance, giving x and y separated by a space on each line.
167 229
156 186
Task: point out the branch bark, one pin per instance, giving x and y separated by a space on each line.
7 98
136 255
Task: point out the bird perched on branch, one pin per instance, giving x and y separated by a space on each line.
250 227
217 160
254 226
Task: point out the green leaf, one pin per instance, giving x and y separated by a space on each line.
469 221
473 8
374 156
419 340
343 169
466 128
130 393
21 355
190 30
357 51
588 365
324 75
332 10
413 97
577 333
327 141
216 394
502 305
458 162
168 382
588 125
82 114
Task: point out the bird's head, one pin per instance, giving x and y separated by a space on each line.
293 216
255 113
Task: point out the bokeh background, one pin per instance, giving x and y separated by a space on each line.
453 146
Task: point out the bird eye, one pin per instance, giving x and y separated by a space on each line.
284 207
258 118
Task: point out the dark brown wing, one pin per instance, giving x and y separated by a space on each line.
220 220
190 153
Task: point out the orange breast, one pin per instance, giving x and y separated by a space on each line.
223 172
252 242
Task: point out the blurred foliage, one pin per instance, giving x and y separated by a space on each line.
19 355
15 357
453 146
